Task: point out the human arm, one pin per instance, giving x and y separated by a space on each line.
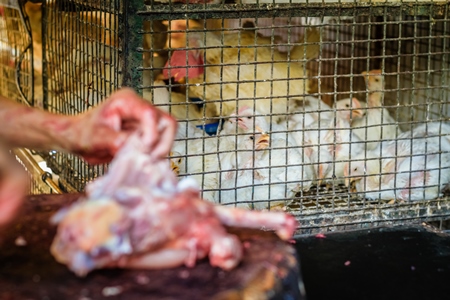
96 135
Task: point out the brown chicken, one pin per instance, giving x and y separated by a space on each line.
245 66
139 216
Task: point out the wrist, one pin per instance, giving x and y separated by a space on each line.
61 133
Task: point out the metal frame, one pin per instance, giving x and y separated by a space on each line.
235 11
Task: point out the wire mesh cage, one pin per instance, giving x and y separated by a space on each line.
19 75
335 112
15 44
82 67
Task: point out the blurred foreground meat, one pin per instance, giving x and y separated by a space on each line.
139 216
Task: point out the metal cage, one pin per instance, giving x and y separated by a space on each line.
82 65
208 63
15 55
19 75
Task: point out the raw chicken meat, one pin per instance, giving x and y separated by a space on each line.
139 216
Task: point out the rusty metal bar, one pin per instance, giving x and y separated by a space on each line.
236 11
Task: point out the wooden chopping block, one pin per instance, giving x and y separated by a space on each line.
269 269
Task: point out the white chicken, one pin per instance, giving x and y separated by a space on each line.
248 120
413 167
261 173
377 124
366 172
332 144
307 112
288 132
185 130
237 177
197 157
350 109
310 109
244 120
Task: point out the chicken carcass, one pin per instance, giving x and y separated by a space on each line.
139 216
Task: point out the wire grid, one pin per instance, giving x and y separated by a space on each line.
82 68
410 50
14 49
408 43
16 66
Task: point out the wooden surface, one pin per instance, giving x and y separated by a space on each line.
269 269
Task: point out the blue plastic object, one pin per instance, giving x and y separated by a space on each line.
210 129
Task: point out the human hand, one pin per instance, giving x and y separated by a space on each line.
13 186
96 135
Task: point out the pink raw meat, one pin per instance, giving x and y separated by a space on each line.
139 215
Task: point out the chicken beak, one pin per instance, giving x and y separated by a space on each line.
357 113
259 129
241 123
348 178
175 168
323 170
347 181
263 141
319 175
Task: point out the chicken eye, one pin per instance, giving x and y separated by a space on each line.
249 118
346 105
355 169
251 137
376 79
